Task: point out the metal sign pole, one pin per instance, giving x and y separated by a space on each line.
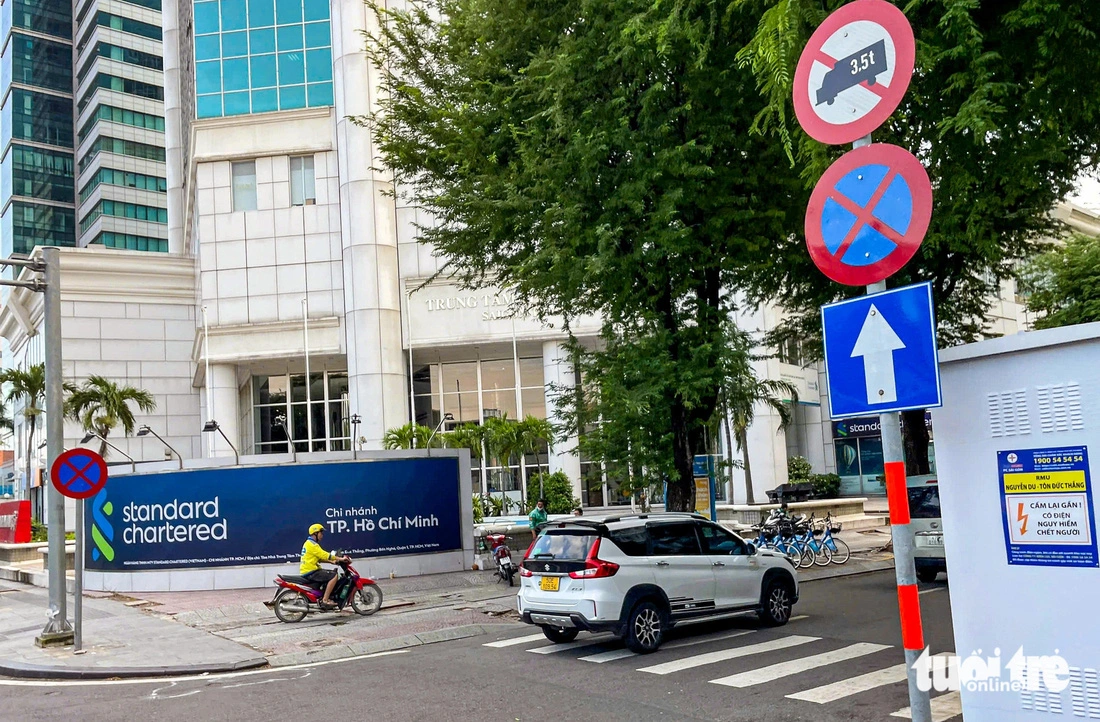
78 586
912 632
57 630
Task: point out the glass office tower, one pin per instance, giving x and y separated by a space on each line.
37 199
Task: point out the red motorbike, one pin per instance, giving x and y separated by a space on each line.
502 555
298 596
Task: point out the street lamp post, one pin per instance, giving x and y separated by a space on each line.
280 421
145 431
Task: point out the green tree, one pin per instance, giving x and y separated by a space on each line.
403 437
532 434
556 489
101 405
1063 284
999 117
28 386
741 401
596 158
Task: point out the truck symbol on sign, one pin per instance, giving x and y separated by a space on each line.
862 65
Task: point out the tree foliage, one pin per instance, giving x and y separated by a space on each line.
411 436
1063 284
1001 115
596 158
102 405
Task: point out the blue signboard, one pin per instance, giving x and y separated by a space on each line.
1046 507
880 352
262 514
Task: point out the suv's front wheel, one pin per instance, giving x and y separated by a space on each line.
645 626
560 635
778 603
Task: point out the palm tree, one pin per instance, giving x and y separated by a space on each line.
533 432
402 437
740 403
29 385
101 405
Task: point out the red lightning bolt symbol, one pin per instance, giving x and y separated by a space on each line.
1021 516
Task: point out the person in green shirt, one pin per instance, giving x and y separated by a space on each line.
537 516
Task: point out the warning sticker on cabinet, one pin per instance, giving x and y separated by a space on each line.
1046 497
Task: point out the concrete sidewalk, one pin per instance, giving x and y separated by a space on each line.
120 642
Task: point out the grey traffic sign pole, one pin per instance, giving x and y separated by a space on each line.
57 630
893 450
78 581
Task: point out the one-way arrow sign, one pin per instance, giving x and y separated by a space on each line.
880 352
876 344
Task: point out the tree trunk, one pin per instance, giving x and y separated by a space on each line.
743 442
31 424
915 437
681 487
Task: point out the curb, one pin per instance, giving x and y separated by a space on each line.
870 568
40 671
383 645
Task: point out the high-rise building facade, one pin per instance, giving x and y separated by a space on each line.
82 152
121 174
37 176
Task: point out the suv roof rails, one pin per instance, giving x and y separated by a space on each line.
656 515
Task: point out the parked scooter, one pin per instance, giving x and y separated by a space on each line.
502 555
298 596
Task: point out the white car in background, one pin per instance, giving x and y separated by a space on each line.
639 575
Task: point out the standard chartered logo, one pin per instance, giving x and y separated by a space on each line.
102 531
174 521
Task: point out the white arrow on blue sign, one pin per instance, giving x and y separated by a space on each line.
880 352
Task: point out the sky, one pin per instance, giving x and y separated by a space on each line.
1087 193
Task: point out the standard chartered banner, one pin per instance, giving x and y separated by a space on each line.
261 514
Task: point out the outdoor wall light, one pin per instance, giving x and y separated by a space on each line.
211 426
145 431
93 435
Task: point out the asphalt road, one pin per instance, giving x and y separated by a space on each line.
814 668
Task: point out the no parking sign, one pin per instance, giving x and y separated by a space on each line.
79 473
868 214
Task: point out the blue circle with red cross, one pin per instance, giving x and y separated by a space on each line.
79 473
868 214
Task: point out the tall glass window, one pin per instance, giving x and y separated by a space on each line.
472 391
302 182
38 117
38 173
26 225
244 186
44 16
258 56
41 63
318 421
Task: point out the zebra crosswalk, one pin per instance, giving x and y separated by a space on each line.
758 661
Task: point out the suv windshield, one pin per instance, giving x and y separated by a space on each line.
563 544
924 502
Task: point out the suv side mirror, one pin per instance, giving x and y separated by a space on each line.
750 548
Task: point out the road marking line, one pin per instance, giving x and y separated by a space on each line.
929 591
555 648
794 666
726 654
617 654
944 707
855 685
516 640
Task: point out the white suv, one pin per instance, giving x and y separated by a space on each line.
639 575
